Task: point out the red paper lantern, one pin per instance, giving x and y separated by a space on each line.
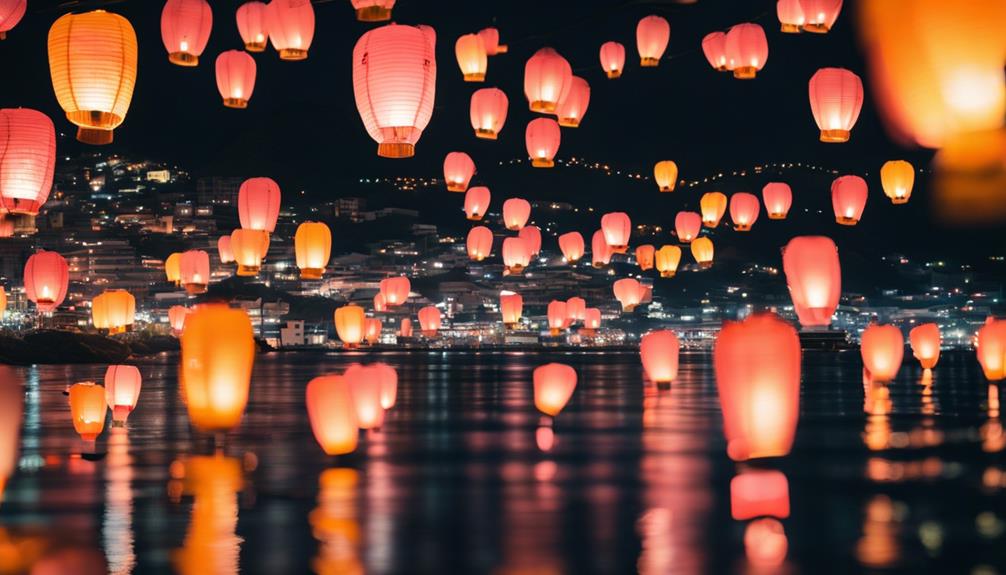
372 330
195 267
488 112
746 50
458 171
516 212
617 228
379 304
531 235
744 208
629 292
291 28
176 319
11 12
990 347
477 202
547 78
572 108
790 15
576 309
258 204
600 251
405 330
882 348
224 250
820 15
687 225
46 278
591 319
814 278
511 307
644 257
659 353
612 59
652 36
571 245
253 26
491 38
836 98
925 339
848 198
479 243
185 30
235 78
542 138
429 321
557 317
122 390
389 383
396 290
778 198
373 10
27 160
516 255
554 384
714 46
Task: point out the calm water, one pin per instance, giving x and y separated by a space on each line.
457 480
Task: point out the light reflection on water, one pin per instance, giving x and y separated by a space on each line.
465 476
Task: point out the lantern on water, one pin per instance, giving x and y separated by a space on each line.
176 319
703 251
558 320
820 15
389 383
92 61
848 198
122 390
990 347
612 59
11 12
547 78
491 38
713 206
600 251
744 208
778 198
687 225
195 271
365 386
258 204
629 293
27 160
516 255
667 260
714 46
250 247
511 307
113 310
235 78
572 108
251 18
746 50
470 50
542 138
572 247
394 83
644 257
516 212
173 268
291 27
313 248
925 339
224 250
665 173
185 30
897 178
332 413
372 330
814 278
479 243
790 15
405 330
395 290
576 309
659 353
349 325
379 304
757 364
458 171
373 10
652 35
617 228
836 98
882 348
553 386
429 321
87 409
591 319
531 235
488 112
477 202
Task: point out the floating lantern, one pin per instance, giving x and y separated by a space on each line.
547 78
491 38
591 320
176 319
531 235
814 278
572 108
235 78
477 202
644 257
667 260
713 206
659 353
629 293
488 112
744 208
759 493
389 383
687 225
820 14
185 30
848 198
252 26
195 271
480 243
87 409
665 173
746 50
652 35
332 413
554 384
572 247
617 228
250 247
224 250
313 248
350 324
757 363
516 255
612 59
778 198
11 12
429 321
836 98
394 83
92 61
600 251
113 310
702 251
882 348
714 46
11 415
897 178
122 390
558 319
542 138
405 330
516 212
470 50
291 28
373 10
372 330
576 309
511 307
365 386
925 339
990 347
790 15
395 290
173 268
379 304
27 161
258 204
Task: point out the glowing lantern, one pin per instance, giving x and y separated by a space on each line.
470 50
990 346
458 171
195 271
516 212
759 493
477 202
659 353
652 35
617 228
491 39
576 309
665 173
27 160
379 304
531 235
92 61
836 98
252 26
332 413
790 15
11 12
713 206
87 409
629 293
291 27
591 320
394 82
553 386
480 243
820 14
703 251
313 248
396 290
600 251
350 324
372 330
542 138
250 247
572 108
185 30
848 198
488 112
558 320
258 204
173 268
757 363
572 247
612 59
176 318
235 78
778 198
113 310
897 178
882 348
714 46
547 78
405 330
814 278
746 50
365 385
667 260
744 208
224 250
925 339
687 225
516 255
511 307
3 311
122 390
373 10
389 383
429 321
46 277
644 257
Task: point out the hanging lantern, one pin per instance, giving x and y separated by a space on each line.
554 384
572 247
714 46
591 320
759 493
600 251
405 330
790 16
349 325
480 243
572 108
113 310
458 171
848 198
897 178
665 173
652 35
882 348
396 290
820 14
252 26
925 339
122 391
332 414
746 50
744 208
659 352
612 59
470 50
92 61
27 161
365 387
195 271
778 198
250 247
491 39
488 112
372 330
542 138
394 83
516 255
557 317
531 235
224 250
516 212
235 78
713 206
87 409
173 268
46 277
313 248
629 293
990 347
176 319
185 30
547 78
687 225
258 204
511 307
11 12
757 364
702 251
576 309
373 10
477 202
429 321
814 278
836 98
644 257
617 228
291 27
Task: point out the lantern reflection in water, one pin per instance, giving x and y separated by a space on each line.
117 523
211 543
334 523
765 543
11 409
759 493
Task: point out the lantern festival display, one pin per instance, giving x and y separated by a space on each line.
531 235
652 35
573 107
746 50
612 56
665 173
687 225
350 325
542 138
365 384
291 27
554 384
814 278
820 15
547 79
836 98
644 257
27 161
429 321
576 309
557 317
629 292
46 278
313 248
11 12
458 171
87 409
477 200
250 248
332 413
897 177
491 38
713 205
600 251
224 250
373 10
488 112
848 199
470 51
235 78
516 255
516 212
990 347
372 330
703 252
185 30
252 26
882 348
778 198
176 319
667 259
572 246
658 351
122 391
479 243
395 290
195 271
511 307
744 208
714 47
173 268
925 340
617 228
259 200
790 15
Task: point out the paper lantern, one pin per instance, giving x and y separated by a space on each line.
790 15
12 394
516 212
600 251
531 235
990 347
703 251
572 247
576 309
470 50
394 83
373 10
511 307
11 12
629 293
291 27
113 310
814 278
554 384
713 206
195 271
848 198
687 225
612 59
652 35
224 250
87 409
488 112
122 390
746 50
591 319
173 268
235 78
665 173
46 278
659 353
558 320
820 14
542 138
778 198
332 413
925 339
313 248
185 30
388 378
372 330
458 171
882 348
491 38
253 26
176 318
27 161
429 321
258 204
250 247
744 208
667 260
405 330
836 98
759 493
714 46
897 178
365 386
379 304
547 78
350 324
396 290
617 228
572 108
516 255
477 202
757 364
479 243
92 61
644 257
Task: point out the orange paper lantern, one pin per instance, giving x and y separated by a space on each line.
882 348
195 271
820 14
516 255
778 198
531 235
458 171
713 206
185 30
379 303
542 138
665 173
848 199
600 251
814 278
652 36
313 248
477 202
176 318
46 278
644 257
592 319
479 243
250 247
897 178
122 390
836 98
405 330
744 208
547 78
87 409
11 415
659 353
576 309
516 212
667 260
790 15
395 290
365 385
27 161
389 383
332 413
349 325
629 292
291 27
224 250
572 247
488 112
687 225
470 50
703 251
511 307
259 200
372 330
925 339
173 268
617 228
612 59
373 10
429 321
554 384
990 347
235 78
252 25
557 317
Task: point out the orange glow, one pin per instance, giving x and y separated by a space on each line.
778 198
703 252
350 324
547 78
665 174
592 319
617 228
687 225
990 347
379 304
848 199
746 50
491 37
236 72
211 544
406 328
790 15
897 178
576 309
531 235
251 19
820 15
365 386
511 307
194 269
488 112
224 250
291 28
313 249
714 46
554 384
765 543
759 493
87 409
572 108
458 171
173 268
176 319
113 310
558 318
925 339
480 243
882 348
122 390
470 51
11 413
388 377
395 290
600 251
27 161
373 10
744 209
3 303
477 202
429 321
185 30
659 353
516 212
644 257
612 56
516 255
713 206
572 247
667 260
250 247
334 524
372 330
542 138
46 277
814 278
629 293
836 98
652 35
259 200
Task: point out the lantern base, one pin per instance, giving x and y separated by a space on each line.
543 106
555 331
347 345
94 136
19 207
790 28
721 68
311 273
612 74
816 28
597 265
569 122
685 240
476 77
745 72
571 260
899 200
742 227
776 216
238 103
619 249
485 134
119 415
248 271
628 308
476 258
475 217
452 187
195 289
396 150
834 136
514 270
649 62
667 274
183 59
373 14
846 221
292 54
89 437
255 46
705 265
117 330
666 188
542 163
502 48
